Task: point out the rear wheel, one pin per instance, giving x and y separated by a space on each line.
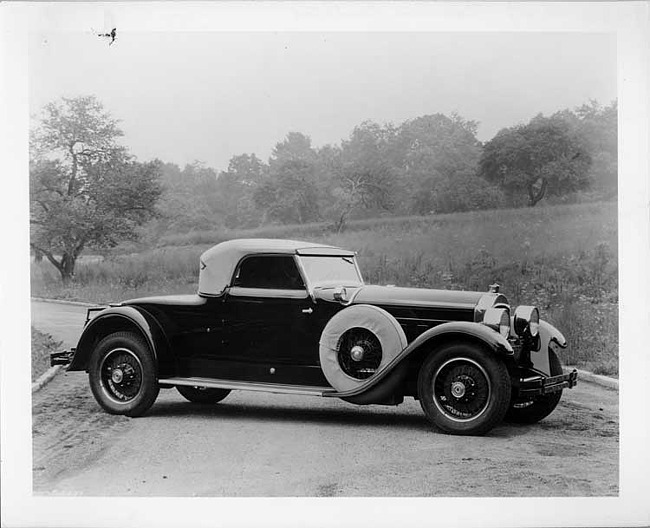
536 408
122 374
203 395
464 389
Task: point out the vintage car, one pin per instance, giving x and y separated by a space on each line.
296 318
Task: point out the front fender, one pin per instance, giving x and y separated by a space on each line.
547 334
121 319
455 329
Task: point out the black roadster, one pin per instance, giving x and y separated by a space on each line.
296 318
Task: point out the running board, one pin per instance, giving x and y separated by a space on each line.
247 385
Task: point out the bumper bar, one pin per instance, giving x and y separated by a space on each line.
61 358
538 385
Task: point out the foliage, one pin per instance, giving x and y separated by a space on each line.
545 155
598 126
85 190
289 194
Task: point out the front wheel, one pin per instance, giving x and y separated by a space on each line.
463 389
122 374
203 395
538 407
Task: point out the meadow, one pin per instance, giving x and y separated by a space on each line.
562 258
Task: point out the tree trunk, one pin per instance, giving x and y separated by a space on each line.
66 268
534 197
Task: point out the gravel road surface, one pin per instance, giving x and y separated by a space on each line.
257 444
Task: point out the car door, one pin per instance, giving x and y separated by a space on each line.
264 309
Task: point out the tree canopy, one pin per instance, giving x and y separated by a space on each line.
85 189
544 156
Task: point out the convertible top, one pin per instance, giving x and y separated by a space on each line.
219 262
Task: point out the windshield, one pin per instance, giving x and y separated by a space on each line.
339 270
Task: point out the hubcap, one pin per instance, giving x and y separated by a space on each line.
457 389
357 353
117 375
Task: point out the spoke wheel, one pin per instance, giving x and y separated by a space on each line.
359 353
461 389
464 389
122 374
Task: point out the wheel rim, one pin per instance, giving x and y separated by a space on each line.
120 375
359 353
461 390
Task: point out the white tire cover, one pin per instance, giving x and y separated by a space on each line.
378 321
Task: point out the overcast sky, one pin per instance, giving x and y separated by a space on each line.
208 96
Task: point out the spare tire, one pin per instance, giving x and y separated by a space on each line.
358 342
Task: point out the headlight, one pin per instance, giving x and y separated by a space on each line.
526 321
498 319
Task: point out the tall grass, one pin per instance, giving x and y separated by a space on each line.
561 258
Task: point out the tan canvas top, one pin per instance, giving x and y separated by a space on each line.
219 262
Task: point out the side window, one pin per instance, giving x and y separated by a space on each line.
269 271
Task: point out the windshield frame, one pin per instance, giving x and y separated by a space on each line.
309 282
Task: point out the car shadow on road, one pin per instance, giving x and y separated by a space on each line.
286 413
353 416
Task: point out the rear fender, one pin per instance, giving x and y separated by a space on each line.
455 330
123 319
547 334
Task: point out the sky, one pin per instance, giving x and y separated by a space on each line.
207 96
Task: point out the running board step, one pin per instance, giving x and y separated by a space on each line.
247 385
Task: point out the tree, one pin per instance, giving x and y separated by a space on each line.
598 126
85 189
236 187
288 193
542 157
363 179
436 149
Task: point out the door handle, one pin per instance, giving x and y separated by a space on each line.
307 310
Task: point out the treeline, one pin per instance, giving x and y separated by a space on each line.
427 165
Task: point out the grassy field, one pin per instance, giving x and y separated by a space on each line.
562 258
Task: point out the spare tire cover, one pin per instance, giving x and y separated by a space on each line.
382 325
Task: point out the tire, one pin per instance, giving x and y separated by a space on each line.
464 389
538 408
202 395
122 374
358 342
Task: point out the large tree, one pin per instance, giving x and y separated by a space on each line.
288 193
544 156
85 189
236 187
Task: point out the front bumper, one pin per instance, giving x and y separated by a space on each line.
61 358
540 385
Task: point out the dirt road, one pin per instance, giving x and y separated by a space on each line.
256 444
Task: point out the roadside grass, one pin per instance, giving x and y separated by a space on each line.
42 345
561 258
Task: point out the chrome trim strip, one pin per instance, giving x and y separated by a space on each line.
246 385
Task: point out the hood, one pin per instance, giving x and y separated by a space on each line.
394 296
